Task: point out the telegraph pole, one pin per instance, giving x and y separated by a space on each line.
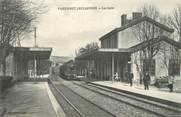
35 36
35 62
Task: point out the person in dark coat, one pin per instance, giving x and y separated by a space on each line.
171 82
131 79
127 76
146 81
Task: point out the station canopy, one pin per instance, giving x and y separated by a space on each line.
31 53
103 52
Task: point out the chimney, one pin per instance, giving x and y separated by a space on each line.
123 19
136 15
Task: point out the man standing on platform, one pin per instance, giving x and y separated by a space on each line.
146 81
170 82
127 76
131 79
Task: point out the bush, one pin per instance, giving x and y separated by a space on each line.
5 82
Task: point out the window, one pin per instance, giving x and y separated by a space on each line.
174 66
104 43
149 66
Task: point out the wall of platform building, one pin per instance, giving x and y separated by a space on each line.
16 67
20 66
81 67
9 65
161 62
99 69
102 68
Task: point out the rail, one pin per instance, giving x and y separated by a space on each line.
68 101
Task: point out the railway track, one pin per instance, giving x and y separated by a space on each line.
66 105
140 103
75 105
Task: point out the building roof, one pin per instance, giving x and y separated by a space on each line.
101 52
154 41
136 21
31 52
108 51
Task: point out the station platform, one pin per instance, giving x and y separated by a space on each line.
29 99
154 93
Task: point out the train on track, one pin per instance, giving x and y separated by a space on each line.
66 71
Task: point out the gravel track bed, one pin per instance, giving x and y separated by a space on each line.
152 107
118 108
67 108
85 107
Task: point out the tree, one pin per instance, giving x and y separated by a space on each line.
171 54
17 17
43 67
88 48
144 32
150 11
175 21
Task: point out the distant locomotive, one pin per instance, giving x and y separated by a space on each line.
67 70
70 70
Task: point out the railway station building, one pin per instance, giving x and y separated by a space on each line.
122 51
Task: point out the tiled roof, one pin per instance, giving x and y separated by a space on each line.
136 21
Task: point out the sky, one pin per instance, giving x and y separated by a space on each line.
68 30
